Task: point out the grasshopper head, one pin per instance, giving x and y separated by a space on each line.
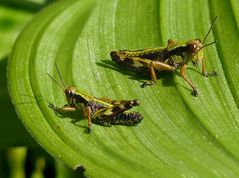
70 92
195 47
195 52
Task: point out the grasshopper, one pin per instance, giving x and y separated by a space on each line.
102 111
175 56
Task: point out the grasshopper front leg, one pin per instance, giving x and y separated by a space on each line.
65 108
183 74
152 65
207 74
158 66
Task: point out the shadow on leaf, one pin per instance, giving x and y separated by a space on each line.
166 77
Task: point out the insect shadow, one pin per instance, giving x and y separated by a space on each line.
194 70
166 77
75 117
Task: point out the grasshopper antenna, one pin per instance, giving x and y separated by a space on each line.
55 81
62 82
210 29
208 44
58 71
204 47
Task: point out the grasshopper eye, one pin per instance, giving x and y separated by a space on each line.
193 47
69 93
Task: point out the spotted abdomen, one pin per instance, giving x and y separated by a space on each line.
127 118
124 118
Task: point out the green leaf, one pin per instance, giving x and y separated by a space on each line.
11 23
180 136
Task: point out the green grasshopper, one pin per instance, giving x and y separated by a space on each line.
175 56
102 111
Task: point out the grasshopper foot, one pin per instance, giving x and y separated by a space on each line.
89 129
50 105
145 84
195 92
208 74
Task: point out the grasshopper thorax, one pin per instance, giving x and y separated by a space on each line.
194 51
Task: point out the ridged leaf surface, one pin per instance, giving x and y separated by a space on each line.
180 136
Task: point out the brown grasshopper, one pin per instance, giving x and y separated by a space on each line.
102 111
175 56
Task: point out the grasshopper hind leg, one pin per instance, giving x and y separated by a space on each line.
127 118
124 118
153 76
156 65
118 114
103 122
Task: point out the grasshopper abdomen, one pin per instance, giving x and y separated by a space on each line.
124 118
127 118
117 114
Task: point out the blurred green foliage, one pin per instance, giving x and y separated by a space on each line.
29 160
